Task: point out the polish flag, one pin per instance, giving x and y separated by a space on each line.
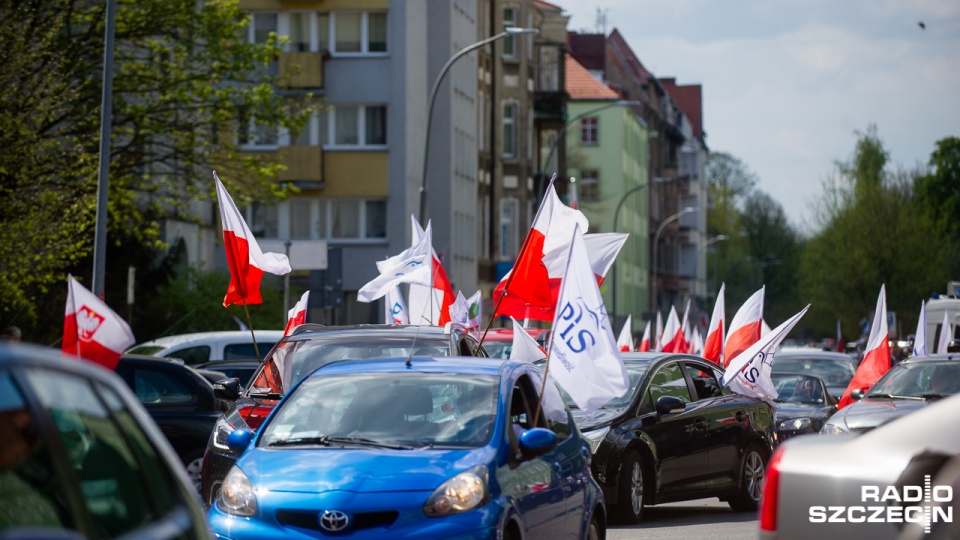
685 330
745 328
659 337
91 330
625 341
645 340
434 310
713 346
297 315
697 347
247 263
672 333
876 361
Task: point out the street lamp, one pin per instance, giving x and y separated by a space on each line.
696 262
616 222
656 242
512 31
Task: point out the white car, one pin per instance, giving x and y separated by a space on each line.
203 347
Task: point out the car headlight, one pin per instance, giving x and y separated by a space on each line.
220 431
463 492
832 429
237 495
596 437
795 424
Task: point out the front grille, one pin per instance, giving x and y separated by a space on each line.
310 519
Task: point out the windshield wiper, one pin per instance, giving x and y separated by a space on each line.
301 440
933 396
266 395
325 440
891 396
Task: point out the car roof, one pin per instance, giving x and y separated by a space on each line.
151 359
813 354
206 337
466 365
253 362
929 358
306 331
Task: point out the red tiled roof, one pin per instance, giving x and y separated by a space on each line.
547 5
582 85
689 98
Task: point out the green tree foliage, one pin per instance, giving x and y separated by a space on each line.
729 182
938 194
184 73
775 254
870 234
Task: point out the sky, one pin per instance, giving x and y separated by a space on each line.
788 84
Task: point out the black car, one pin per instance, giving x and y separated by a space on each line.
910 385
179 400
836 369
803 404
242 370
677 435
82 459
295 356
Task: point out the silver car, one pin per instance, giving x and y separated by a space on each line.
895 481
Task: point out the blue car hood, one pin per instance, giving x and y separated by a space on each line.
870 413
317 470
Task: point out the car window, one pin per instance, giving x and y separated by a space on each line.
147 350
669 381
155 387
246 351
191 355
833 372
554 408
111 479
523 406
704 382
32 494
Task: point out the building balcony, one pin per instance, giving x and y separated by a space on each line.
549 105
301 70
304 164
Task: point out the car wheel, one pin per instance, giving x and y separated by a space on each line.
595 532
630 488
194 464
751 481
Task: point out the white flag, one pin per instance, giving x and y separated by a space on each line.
625 341
460 310
525 348
920 338
946 334
474 305
749 372
584 354
395 310
412 265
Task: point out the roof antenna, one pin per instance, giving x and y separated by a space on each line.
414 344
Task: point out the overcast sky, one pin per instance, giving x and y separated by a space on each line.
786 84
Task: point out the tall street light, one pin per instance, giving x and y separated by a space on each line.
433 97
656 249
616 222
696 262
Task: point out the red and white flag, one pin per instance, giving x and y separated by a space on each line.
91 330
645 340
246 261
685 345
672 333
430 304
297 314
658 339
713 346
876 361
625 341
745 328
750 373
696 346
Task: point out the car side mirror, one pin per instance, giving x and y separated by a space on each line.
227 389
536 442
670 404
239 439
857 394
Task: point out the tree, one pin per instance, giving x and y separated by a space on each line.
182 82
938 194
774 247
729 182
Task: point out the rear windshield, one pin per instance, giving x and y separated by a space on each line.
148 350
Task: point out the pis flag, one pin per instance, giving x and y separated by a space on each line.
395 311
91 330
749 373
297 314
584 356
412 265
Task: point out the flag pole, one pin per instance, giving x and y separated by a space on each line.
256 349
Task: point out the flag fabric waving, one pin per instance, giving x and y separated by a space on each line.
411 265
583 351
297 314
460 310
525 348
672 338
91 330
474 310
749 372
745 328
658 339
625 341
394 309
645 340
876 361
713 346
246 261
920 338
684 345
840 345
430 303
946 334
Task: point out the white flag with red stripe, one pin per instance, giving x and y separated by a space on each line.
713 346
625 341
876 361
672 338
246 261
745 327
685 345
430 304
645 340
750 372
297 314
91 330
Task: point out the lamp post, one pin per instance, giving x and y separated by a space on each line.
563 129
433 97
616 222
696 262
656 242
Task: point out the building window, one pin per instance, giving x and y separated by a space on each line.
354 126
376 219
261 26
359 32
349 219
252 134
376 32
509 42
588 187
343 32
589 131
300 31
509 130
509 227
263 220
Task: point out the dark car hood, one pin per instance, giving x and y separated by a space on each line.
870 413
599 418
786 411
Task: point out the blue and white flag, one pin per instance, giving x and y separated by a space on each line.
412 265
395 310
920 338
584 358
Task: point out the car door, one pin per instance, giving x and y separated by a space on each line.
676 436
723 432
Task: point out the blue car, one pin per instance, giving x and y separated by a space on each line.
418 448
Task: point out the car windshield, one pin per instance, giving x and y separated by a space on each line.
148 350
294 360
833 371
408 410
498 349
919 380
797 388
635 371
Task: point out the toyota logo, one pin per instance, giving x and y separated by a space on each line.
333 520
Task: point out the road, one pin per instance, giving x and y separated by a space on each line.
703 518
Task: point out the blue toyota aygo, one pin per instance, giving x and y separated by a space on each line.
414 448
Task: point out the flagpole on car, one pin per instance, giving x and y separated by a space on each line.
252 335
